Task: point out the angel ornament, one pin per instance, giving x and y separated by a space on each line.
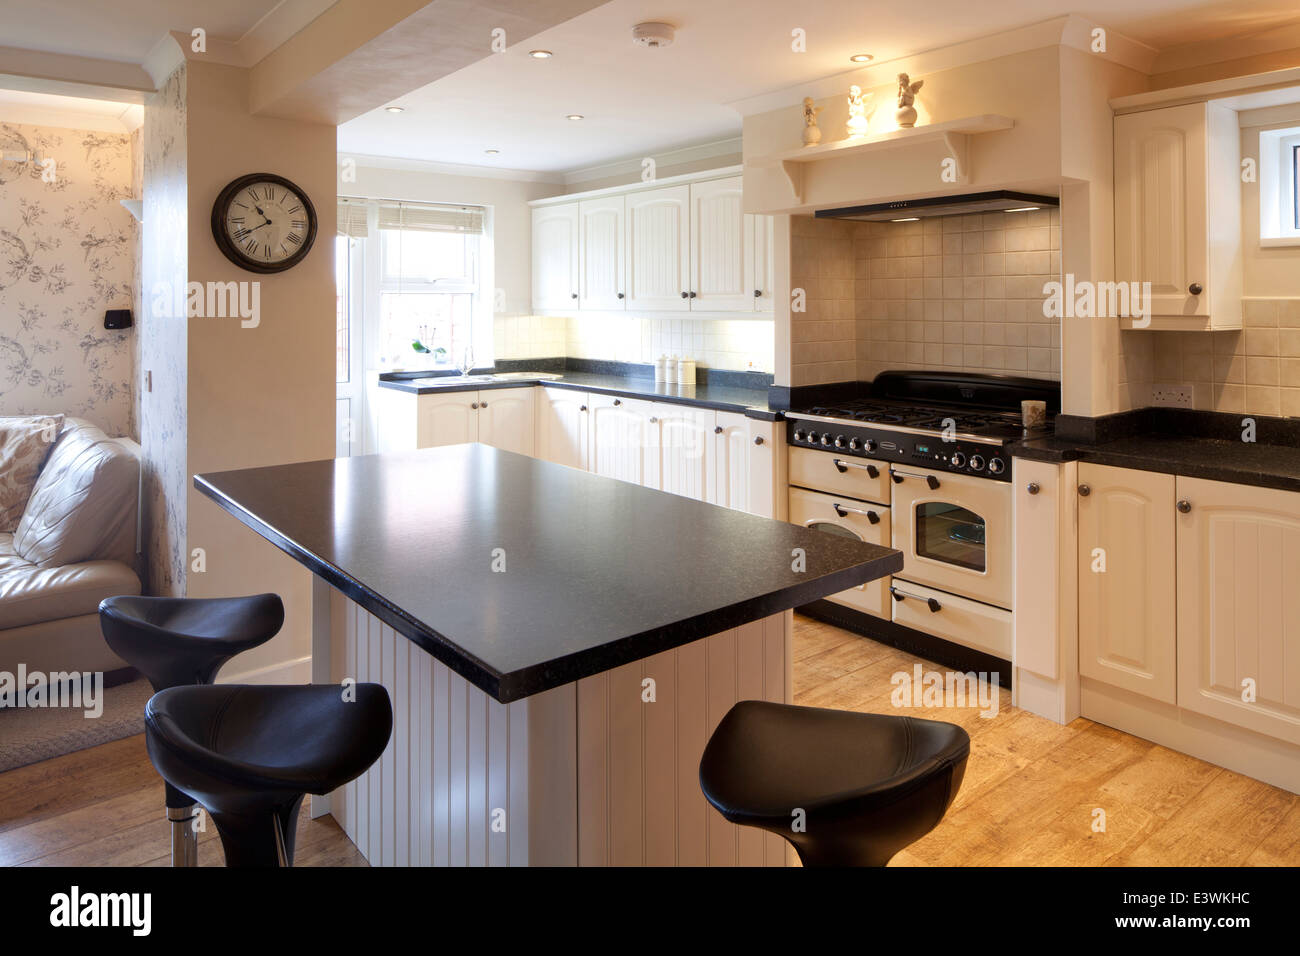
811 134
857 124
906 114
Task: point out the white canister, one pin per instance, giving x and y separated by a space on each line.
670 371
686 372
661 369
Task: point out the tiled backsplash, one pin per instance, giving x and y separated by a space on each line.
735 344
962 293
1255 370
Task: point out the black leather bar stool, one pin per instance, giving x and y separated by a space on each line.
868 784
249 753
178 641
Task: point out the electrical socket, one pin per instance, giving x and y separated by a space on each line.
1175 396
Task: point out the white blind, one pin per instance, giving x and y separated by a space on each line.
432 217
352 219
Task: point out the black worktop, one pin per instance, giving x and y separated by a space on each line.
598 573
728 392
1195 444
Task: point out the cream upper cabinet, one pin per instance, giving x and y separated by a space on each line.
1127 600
686 450
555 256
562 417
760 232
623 440
601 253
1239 605
1178 214
745 472
506 419
721 248
658 249
450 419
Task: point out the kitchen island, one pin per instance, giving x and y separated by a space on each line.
558 647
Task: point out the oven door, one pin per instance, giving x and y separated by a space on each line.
954 532
856 519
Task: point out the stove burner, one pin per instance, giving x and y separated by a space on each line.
918 416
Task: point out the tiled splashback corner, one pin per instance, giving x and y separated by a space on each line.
1255 370
962 293
734 344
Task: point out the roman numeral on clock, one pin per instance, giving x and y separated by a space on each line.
241 234
294 238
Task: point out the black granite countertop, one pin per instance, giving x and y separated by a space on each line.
752 402
598 572
1205 445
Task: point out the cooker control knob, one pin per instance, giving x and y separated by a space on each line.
958 459
840 441
869 444
855 444
826 439
996 466
976 463
800 434
812 437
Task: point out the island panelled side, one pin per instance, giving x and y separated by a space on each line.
600 771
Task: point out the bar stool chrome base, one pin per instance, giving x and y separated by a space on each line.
185 839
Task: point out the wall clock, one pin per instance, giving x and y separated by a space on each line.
263 223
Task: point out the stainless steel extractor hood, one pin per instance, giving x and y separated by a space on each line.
905 209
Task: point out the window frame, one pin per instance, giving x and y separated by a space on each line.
1279 186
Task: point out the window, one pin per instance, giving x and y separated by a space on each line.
430 265
342 309
1279 187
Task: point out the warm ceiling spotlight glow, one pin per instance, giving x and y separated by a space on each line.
1022 209
574 116
913 219
861 58
395 109
491 152
540 54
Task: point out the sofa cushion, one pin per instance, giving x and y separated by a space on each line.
24 443
9 558
83 507
31 595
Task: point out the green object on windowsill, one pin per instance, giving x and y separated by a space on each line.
439 353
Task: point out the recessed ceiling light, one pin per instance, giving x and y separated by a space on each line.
395 109
574 116
861 58
540 54
491 152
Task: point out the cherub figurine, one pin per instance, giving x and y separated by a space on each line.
857 124
906 97
811 134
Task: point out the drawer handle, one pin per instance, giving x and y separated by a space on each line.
1032 488
930 602
844 466
898 476
843 510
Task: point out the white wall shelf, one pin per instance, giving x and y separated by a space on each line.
955 135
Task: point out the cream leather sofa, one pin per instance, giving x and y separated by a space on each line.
75 546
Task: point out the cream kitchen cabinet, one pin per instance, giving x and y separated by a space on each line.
503 418
562 417
760 232
1178 214
721 248
658 249
1126 579
623 441
555 256
685 448
746 456
1239 604
601 253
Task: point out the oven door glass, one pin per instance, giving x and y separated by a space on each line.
951 534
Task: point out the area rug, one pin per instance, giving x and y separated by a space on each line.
32 735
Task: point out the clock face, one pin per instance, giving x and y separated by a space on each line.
263 223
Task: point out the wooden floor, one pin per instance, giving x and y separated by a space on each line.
1028 798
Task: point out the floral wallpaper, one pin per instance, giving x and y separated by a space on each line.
66 255
161 339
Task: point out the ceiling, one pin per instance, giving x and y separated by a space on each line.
123 30
637 102
71 112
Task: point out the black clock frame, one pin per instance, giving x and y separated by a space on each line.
233 252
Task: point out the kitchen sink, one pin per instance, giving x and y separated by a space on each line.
452 379
524 376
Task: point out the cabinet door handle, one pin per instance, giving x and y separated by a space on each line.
758 439
582 408
618 401
692 295
473 404
1196 288
1084 491
758 293
482 404
684 295
931 603
843 510
842 466
1032 488
718 429
931 482
653 420
620 295
1184 506
573 295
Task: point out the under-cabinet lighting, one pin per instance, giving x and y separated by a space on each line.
1023 209
913 219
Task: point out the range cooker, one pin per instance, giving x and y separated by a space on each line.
920 464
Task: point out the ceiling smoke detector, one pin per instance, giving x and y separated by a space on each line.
653 35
